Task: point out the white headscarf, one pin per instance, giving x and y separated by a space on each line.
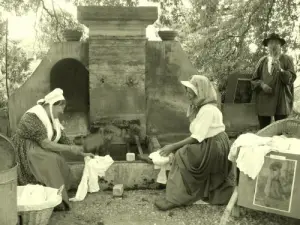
205 92
51 98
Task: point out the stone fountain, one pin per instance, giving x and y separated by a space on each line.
116 79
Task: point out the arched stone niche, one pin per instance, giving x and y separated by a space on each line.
72 76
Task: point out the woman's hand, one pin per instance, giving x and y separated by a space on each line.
84 154
166 150
77 149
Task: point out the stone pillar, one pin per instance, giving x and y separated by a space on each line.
117 38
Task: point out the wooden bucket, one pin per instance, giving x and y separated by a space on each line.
8 196
8 183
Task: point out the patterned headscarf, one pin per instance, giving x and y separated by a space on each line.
205 92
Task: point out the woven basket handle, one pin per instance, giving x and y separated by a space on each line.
60 190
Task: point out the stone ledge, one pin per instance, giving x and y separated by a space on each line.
133 175
138 39
101 13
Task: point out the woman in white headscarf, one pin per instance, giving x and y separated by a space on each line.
39 140
200 169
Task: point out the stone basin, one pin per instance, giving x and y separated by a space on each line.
133 175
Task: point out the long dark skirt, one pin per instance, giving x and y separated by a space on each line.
49 168
201 171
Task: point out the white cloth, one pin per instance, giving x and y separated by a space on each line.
208 123
41 113
37 197
162 163
246 140
285 144
93 168
249 151
251 159
270 61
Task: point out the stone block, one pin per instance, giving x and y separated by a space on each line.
104 13
239 118
118 190
117 21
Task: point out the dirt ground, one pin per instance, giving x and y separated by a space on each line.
136 208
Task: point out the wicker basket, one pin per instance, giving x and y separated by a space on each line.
290 126
40 217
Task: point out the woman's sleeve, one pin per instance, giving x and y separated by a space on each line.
32 128
64 139
202 124
288 75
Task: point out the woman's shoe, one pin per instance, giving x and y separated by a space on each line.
164 205
61 207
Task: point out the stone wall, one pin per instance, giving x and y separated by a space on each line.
166 65
38 85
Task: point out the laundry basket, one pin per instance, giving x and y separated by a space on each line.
289 126
39 217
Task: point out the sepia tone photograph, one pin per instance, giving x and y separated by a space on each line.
132 112
275 184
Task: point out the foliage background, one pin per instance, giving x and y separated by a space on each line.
216 34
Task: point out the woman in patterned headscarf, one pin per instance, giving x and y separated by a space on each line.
39 140
200 170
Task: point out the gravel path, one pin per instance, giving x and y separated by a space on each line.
136 208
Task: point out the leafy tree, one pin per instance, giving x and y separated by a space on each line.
53 20
216 34
17 68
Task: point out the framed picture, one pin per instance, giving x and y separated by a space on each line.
275 184
243 91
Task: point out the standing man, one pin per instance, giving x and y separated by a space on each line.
272 82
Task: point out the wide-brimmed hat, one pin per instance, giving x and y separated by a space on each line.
273 36
189 85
